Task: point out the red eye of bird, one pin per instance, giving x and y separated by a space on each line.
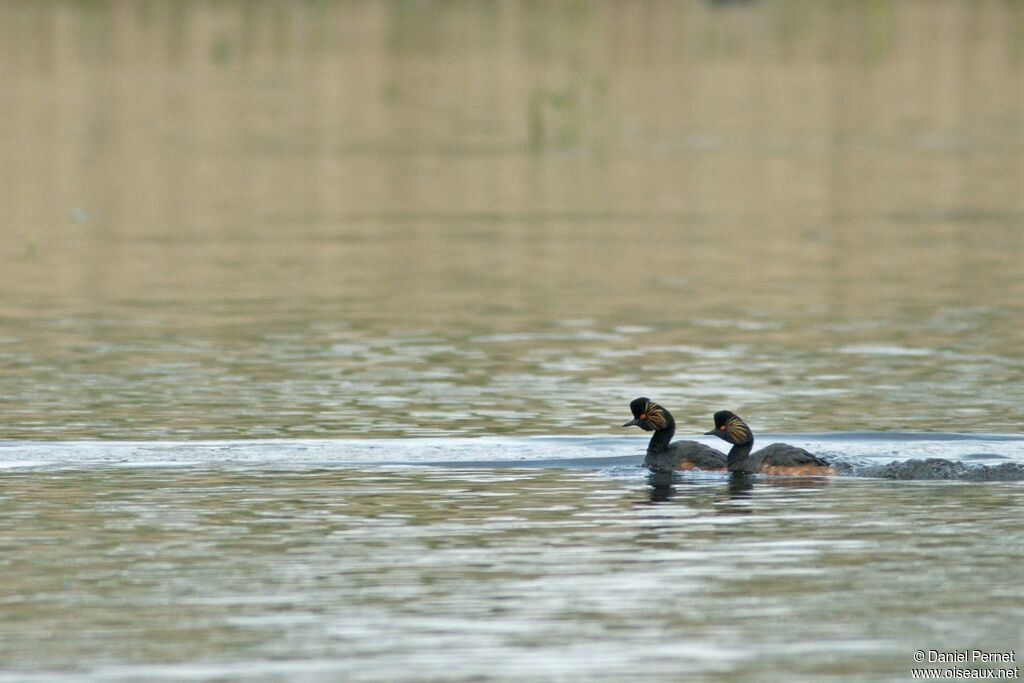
643 416
722 428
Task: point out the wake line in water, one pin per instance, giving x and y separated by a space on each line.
884 455
939 468
928 468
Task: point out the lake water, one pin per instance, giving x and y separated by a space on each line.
318 321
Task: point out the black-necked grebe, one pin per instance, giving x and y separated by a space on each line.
665 456
779 458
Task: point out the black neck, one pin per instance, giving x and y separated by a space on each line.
659 441
738 454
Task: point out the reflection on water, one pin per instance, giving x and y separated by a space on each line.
241 219
496 574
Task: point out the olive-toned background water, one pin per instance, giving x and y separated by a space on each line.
249 219
317 220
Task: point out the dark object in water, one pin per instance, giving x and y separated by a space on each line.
778 458
939 468
664 456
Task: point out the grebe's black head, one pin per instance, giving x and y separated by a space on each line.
648 415
729 427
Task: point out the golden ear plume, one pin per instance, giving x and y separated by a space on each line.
737 430
655 415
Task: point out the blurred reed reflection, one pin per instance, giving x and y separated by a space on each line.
246 218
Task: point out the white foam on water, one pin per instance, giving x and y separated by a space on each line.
538 451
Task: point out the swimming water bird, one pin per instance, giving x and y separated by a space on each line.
779 458
664 456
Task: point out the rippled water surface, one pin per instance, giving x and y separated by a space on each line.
287 288
412 573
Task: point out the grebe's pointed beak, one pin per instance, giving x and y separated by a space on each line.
711 433
632 423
